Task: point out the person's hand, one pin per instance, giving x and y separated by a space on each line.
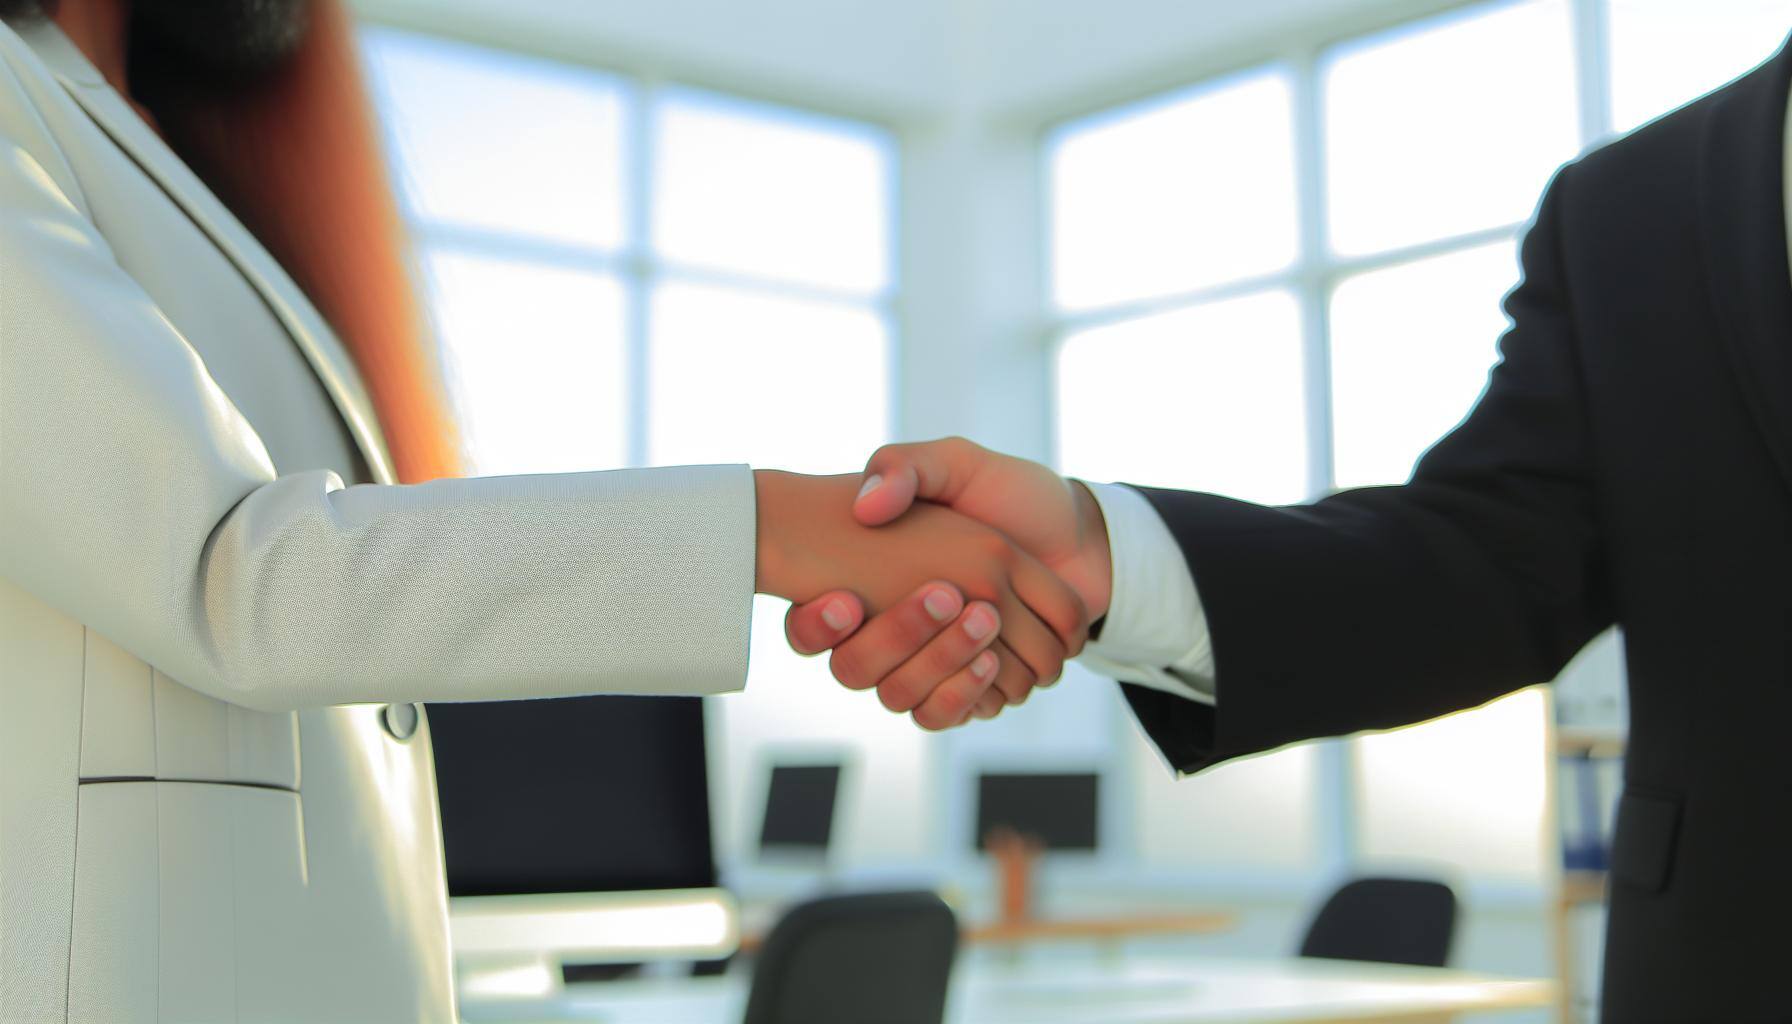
1055 520
930 635
809 544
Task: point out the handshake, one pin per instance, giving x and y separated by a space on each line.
950 578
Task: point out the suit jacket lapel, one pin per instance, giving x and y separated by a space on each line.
284 298
1742 195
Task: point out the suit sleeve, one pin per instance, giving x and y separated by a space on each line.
1384 606
137 499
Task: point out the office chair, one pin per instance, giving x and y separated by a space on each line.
1387 920
872 958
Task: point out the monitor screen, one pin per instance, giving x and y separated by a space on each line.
799 807
1058 809
581 794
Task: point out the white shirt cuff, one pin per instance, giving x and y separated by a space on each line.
1155 633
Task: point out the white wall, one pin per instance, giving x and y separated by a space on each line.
878 59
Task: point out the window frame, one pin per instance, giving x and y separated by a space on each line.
1316 271
634 264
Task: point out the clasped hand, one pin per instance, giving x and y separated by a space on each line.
951 579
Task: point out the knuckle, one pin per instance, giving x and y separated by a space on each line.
895 695
849 667
939 713
997 553
1077 643
1018 683
950 653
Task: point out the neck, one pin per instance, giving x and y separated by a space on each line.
100 29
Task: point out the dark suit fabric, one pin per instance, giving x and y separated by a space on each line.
1630 462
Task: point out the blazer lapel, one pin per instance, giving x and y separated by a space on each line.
1742 195
284 299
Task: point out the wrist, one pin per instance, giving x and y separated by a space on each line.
771 556
791 508
1093 551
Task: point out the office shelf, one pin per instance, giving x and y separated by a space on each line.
1579 887
1580 741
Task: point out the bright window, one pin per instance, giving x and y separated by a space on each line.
1665 52
536 352
1447 127
624 275
466 159
1221 370
1191 191
788 377
1411 347
762 193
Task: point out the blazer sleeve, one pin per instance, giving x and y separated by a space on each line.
135 498
1384 606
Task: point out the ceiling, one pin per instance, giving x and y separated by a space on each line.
907 59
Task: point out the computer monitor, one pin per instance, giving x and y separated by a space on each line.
799 810
575 830
1058 809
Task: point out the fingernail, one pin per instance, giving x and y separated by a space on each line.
870 484
836 614
985 665
940 605
980 623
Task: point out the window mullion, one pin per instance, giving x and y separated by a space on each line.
1592 64
1309 159
1334 795
637 265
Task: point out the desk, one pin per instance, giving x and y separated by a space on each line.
1140 991
1116 928
1103 929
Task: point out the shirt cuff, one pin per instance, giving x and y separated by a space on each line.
1155 633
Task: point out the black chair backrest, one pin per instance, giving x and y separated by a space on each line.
871 958
1388 920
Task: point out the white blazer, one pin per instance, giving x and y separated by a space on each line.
193 604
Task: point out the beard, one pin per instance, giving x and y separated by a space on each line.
218 42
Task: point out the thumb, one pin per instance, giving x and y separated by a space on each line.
900 474
821 624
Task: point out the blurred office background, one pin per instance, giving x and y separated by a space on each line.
1248 248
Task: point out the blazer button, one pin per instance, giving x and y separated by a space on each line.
400 720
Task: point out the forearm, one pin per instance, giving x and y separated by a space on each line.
621 582
1368 610
1371 609
1337 617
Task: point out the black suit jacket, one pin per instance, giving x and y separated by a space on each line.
1630 462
